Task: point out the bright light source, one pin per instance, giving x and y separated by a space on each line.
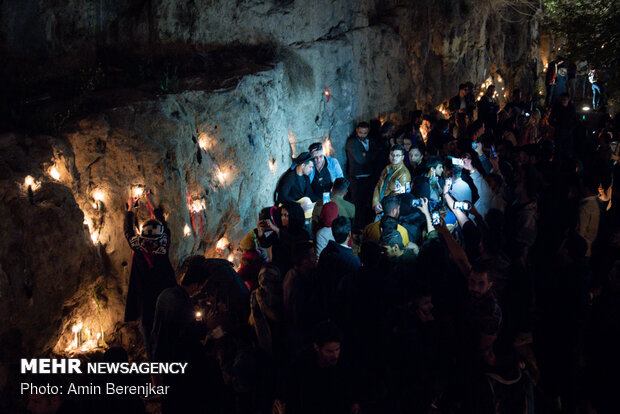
586 108
272 165
98 195
198 314
221 176
327 147
54 173
196 206
187 231
77 327
138 191
94 236
222 243
29 180
231 258
205 141
326 92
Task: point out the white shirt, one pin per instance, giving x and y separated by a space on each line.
323 236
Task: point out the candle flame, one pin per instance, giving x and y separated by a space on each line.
221 176
231 258
198 314
29 180
205 142
54 173
187 231
222 243
138 191
94 236
272 165
98 195
327 147
77 327
196 206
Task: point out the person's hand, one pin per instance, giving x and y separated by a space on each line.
441 227
474 212
424 207
278 407
356 409
447 185
478 148
494 162
378 208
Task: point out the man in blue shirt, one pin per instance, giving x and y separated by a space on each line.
326 170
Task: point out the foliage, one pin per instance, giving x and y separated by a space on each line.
590 32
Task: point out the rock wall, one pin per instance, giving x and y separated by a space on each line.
64 260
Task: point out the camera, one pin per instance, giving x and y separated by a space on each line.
458 161
436 218
462 205
416 202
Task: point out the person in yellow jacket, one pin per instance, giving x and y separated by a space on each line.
395 178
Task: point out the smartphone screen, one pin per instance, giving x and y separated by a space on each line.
325 198
435 217
493 151
474 145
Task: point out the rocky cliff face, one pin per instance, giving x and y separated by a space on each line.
222 143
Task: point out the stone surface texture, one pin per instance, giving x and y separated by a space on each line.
374 57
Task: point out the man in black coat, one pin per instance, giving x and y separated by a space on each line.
336 261
362 156
151 270
295 183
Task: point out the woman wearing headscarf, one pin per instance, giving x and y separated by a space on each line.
329 212
282 236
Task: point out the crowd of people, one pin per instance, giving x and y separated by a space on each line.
461 265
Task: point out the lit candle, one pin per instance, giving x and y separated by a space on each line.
187 231
221 244
54 173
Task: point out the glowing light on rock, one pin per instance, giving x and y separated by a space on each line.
272 165
222 244
187 231
98 195
137 191
291 141
221 176
54 173
77 327
94 236
29 181
205 141
327 147
196 206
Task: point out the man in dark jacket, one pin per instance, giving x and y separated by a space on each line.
295 183
336 261
318 381
362 156
461 102
151 270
